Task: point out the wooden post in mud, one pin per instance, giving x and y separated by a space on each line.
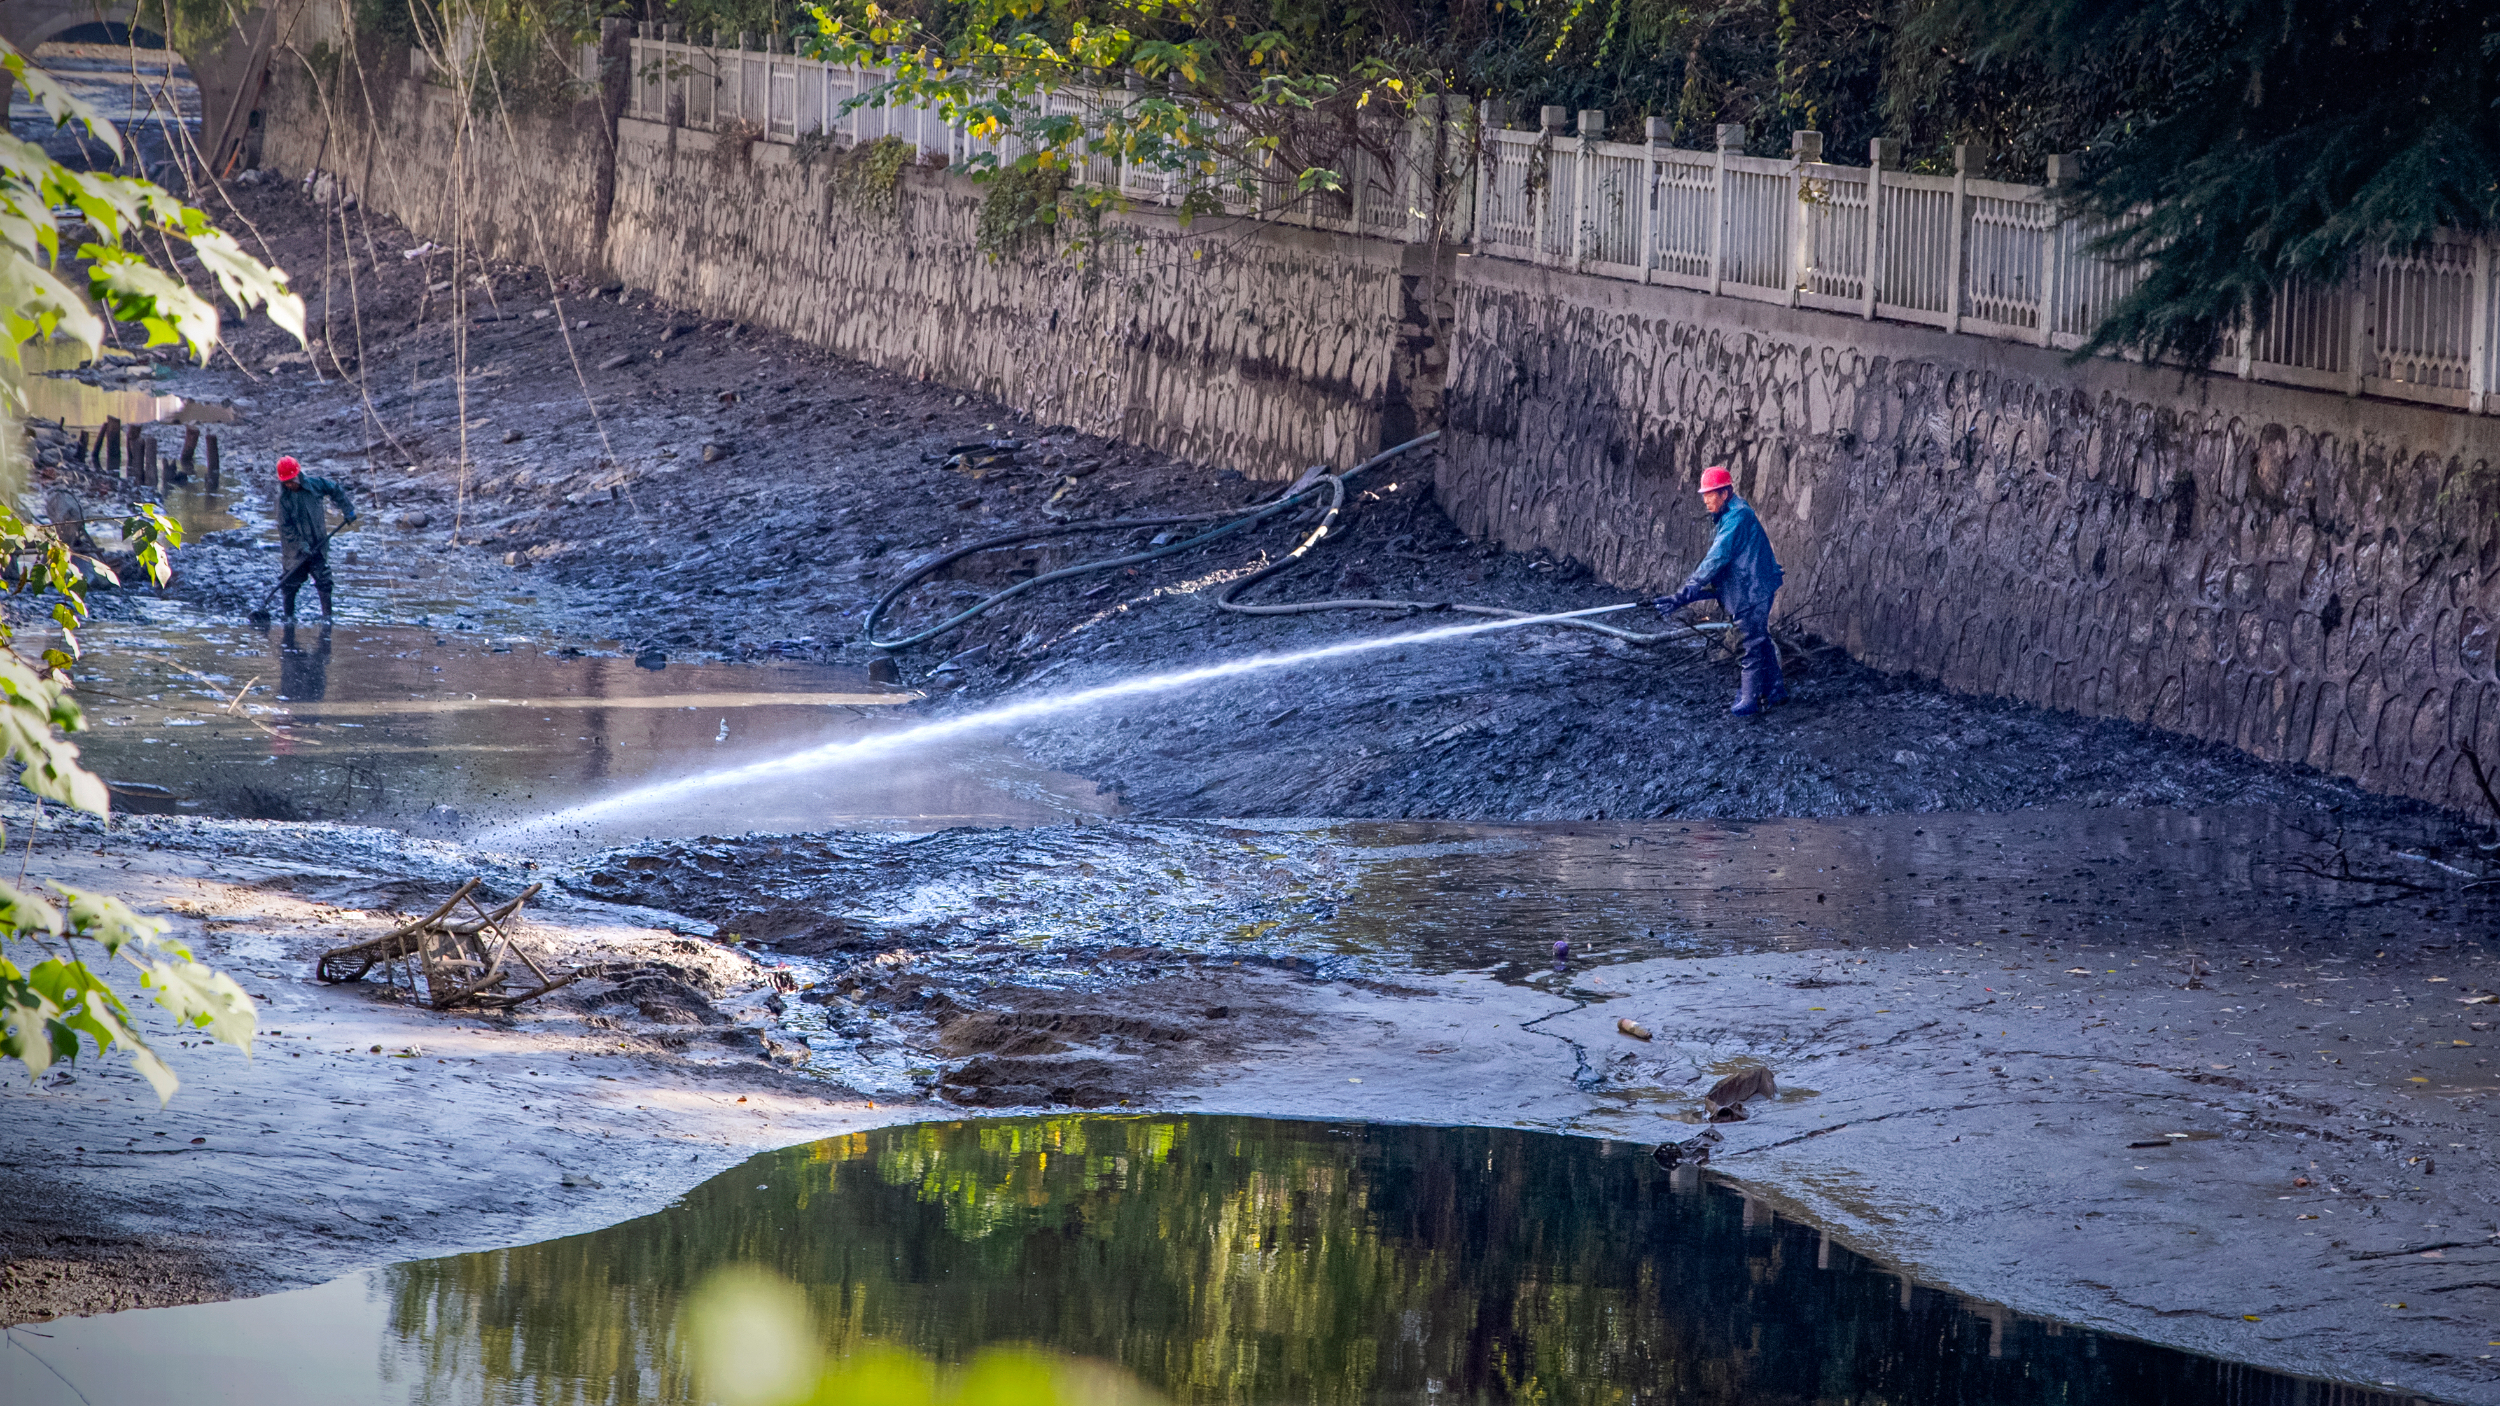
131 439
212 461
151 472
82 446
190 446
108 439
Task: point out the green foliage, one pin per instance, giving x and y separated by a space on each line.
398 23
527 64
755 1343
2247 142
46 1008
2233 143
1222 98
190 26
1020 205
869 177
50 996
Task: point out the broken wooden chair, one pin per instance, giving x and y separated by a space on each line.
448 962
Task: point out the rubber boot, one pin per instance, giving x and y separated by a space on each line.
289 594
1748 693
1762 661
324 588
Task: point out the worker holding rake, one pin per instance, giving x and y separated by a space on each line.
1742 575
304 532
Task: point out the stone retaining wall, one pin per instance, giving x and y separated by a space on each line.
1254 346
423 158
2308 577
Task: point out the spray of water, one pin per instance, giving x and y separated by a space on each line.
856 750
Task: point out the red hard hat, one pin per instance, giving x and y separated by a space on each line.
288 469
1716 477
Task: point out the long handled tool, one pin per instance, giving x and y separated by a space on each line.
301 570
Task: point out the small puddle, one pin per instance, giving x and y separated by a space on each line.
445 734
1216 1258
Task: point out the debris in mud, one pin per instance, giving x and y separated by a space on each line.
1694 1149
1632 1028
1727 1098
448 962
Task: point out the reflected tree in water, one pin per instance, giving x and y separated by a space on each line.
1245 1260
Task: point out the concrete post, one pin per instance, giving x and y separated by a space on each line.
2478 385
1491 116
1549 122
1413 193
2063 168
1583 199
1968 157
1805 148
1881 152
1656 130
1731 142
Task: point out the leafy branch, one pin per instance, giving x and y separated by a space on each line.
1162 85
51 997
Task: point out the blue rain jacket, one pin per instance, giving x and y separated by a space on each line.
1740 570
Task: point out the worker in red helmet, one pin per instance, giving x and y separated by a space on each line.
1742 575
304 531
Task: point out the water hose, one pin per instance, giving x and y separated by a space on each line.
1229 523
1229 599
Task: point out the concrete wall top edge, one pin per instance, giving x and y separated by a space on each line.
1352 250
2358 419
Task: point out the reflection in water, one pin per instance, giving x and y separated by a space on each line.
303 674
78 404
1246 1260
382 725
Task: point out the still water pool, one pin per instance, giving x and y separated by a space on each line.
1218 1259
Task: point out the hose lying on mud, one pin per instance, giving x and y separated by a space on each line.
1237 520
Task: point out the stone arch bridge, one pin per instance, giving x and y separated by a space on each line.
231 75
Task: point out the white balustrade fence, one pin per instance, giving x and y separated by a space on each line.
780 97
1956 252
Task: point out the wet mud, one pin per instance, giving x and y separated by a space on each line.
2090 1022
682 486
2091 1088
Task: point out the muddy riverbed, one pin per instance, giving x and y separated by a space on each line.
2123 1069
683 486
2083 1021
